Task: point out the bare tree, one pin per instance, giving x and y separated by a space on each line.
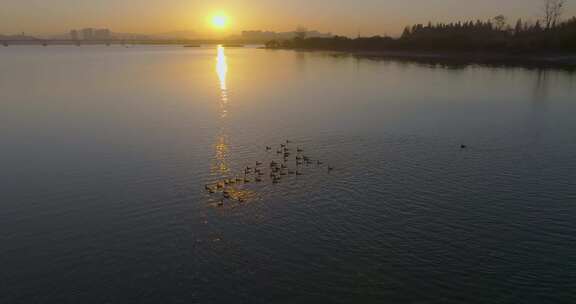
500 21
552 10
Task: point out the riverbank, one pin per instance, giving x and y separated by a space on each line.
529 59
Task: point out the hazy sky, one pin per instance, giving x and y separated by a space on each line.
337 16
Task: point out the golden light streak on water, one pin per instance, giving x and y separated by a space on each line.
221 145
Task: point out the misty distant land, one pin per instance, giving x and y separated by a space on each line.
460 43
106 36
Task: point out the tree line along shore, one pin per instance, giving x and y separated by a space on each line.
548 38
466 36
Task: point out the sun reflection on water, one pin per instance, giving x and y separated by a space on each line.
221 146
221 67
221 154
221 169
222 71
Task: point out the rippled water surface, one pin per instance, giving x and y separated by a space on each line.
105 153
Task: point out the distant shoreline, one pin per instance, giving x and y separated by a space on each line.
564 60
65 42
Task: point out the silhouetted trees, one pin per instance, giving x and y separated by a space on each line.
552 11
491 35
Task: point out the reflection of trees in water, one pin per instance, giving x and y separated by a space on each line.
457 62
536 119
301 61
543 71
541 89
544 82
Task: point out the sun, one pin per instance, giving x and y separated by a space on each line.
219 21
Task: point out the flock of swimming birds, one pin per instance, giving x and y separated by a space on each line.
290 161
277 170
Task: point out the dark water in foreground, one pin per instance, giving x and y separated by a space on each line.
105 153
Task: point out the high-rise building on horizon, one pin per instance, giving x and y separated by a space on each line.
74 34
88 33
102 34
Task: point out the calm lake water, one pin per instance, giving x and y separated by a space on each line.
105 153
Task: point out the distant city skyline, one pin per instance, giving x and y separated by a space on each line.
107 34
365 17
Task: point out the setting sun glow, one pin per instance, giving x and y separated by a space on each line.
220 21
